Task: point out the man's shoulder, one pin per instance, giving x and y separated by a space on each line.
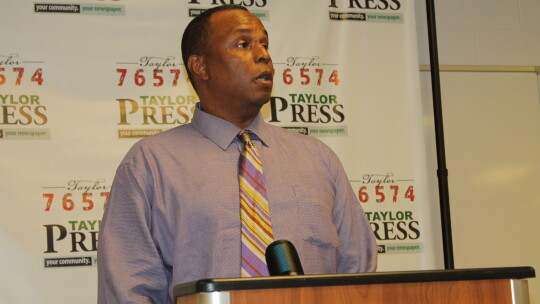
300 143
182 132
171 139
296 135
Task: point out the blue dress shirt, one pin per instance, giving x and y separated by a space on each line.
173 214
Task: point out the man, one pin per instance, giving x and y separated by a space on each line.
174 210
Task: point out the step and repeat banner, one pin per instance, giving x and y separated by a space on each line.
81 82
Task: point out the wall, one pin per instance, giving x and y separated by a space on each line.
492 128
483 32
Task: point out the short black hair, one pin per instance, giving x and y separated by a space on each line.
195 37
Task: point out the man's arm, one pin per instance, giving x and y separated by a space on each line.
357 251
130 269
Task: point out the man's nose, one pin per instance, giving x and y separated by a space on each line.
262 54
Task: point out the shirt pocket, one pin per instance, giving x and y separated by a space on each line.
315 216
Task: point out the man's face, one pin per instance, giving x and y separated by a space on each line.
239 67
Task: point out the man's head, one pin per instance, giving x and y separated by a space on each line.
225 53
195 38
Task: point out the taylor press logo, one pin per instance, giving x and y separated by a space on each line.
390 202
246 3
320 114
22 115
148 115
99 8
152 113
73 242
196 7
383 11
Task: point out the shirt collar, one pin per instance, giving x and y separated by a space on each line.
222 132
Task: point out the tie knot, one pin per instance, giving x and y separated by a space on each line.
244 136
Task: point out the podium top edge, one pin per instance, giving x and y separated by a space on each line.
212 285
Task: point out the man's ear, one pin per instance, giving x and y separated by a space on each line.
197 67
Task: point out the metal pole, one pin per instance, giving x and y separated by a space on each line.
442 172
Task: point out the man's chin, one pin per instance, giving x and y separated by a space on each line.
262 99
261 102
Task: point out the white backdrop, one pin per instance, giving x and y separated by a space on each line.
81 82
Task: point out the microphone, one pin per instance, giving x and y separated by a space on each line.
282 259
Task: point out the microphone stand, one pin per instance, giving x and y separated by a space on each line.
442 171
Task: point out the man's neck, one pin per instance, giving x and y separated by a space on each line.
241 120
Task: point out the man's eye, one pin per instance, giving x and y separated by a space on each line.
242 45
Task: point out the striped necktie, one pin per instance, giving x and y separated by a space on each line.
254 212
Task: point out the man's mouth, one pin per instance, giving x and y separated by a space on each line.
265 76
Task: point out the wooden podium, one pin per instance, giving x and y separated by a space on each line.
486 285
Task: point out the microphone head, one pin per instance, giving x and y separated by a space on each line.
282 259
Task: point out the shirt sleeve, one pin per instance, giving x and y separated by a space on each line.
130 268
357 250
